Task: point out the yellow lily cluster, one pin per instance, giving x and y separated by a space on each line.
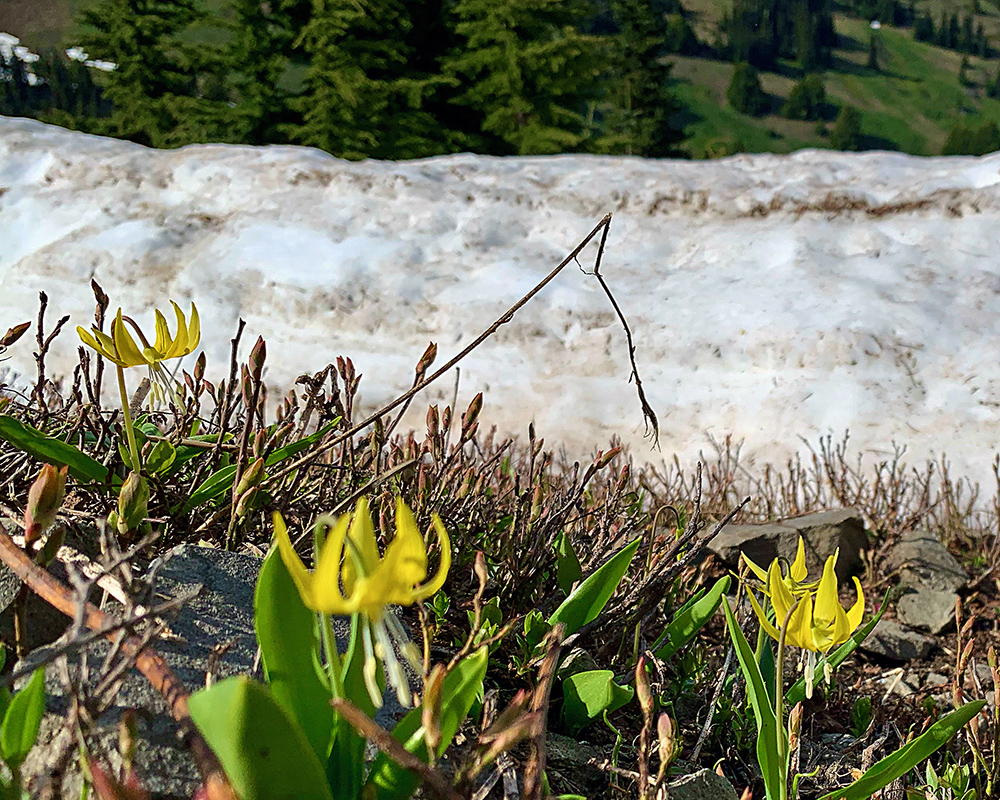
349 558
817 622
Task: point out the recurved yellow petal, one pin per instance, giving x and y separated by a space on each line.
326 594
765 623
435 583
125 345
300 575
756 570
798 571
162 335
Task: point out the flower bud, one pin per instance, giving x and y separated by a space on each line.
642 690
467 483
471 415
433 422
133 501
667 736
794 725
427 359
13 334
257 357
603 459
430 711
44 498
246 501
251 477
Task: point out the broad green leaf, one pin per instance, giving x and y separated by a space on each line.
568 570
286 635
908 756
264 752
691 618
588 695
590 597
21 720
462 686
50 450
771 766
798 690
160 457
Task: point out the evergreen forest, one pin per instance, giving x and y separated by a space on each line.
401 79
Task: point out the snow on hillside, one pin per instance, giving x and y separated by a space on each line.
771 297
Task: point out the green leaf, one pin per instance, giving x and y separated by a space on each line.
797 691
588 695
50 450
568 569
590 597
22 719
286 633
264 752
691 618
462 686
160 457
771 766
908 756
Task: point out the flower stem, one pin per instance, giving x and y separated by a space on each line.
129 429
332 658
779 697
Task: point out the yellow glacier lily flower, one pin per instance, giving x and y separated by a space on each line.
818 622
121 349
351 578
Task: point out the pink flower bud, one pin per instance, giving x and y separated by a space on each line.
44 498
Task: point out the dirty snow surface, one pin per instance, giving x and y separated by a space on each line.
773 298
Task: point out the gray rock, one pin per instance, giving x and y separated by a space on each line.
897 643
823 533
220 615
923 562
927 609
902 685
701 785
935 679
576 661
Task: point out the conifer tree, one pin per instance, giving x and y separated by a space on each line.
846 133
745 93
363 98
156 86
639 102
256 58
527 71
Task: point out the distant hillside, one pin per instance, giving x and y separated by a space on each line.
910 104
